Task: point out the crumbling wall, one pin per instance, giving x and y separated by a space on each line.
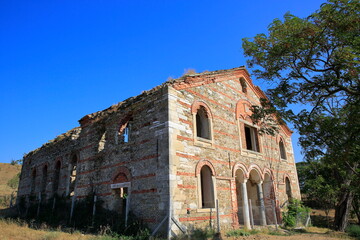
97 156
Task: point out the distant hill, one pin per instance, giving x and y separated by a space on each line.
7 172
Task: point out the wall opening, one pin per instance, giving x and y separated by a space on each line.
73 174
56 177
44 179
288 188
282 150
251 138
243 85
33 182
203 128
239 179
102 142
207 188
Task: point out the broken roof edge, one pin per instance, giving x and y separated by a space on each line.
57 139
93 117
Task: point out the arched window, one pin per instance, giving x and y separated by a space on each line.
44 179
243 85
282 150
288 188
207 188
203 128
56 177
33 183
125 130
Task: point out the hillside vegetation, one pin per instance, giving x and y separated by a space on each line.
8 182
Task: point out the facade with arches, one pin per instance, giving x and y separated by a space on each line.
173 153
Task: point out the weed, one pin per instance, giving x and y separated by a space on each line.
197 233
238 233
354 231
50 236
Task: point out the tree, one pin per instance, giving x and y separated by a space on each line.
315 61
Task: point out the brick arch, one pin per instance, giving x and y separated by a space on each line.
242 167
75 154
123 122
255 167
122 174
270 172
286 175
196 106
46 164
240 108
202 163
279 138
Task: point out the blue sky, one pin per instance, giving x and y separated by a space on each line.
61 60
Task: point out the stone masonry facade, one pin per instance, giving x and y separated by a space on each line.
185 152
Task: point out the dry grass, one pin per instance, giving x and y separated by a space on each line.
15 230
7 172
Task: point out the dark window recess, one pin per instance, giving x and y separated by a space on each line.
56 177
207 188
251 138
282 150
203 124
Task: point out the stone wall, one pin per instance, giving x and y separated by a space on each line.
176 149
102 155
227 104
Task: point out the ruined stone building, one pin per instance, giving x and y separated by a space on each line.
174 151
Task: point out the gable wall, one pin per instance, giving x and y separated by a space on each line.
221 93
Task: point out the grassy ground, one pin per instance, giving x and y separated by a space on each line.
19 230
7 172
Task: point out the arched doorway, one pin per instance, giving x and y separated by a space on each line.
243 213
255 194
121 189
288 189
269 198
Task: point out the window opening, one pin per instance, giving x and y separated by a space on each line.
243 85
207 188
202 123
251 139
127 132
73 172
33 178
102 142
282 150
288 188
44 179
56 176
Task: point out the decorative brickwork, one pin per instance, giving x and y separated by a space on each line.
160 160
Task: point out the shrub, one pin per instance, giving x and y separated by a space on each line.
14 182
354 231
295 211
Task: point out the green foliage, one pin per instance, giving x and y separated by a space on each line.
238 233
295 209
354 231
14 182
15 162
197 233
315 61
319 184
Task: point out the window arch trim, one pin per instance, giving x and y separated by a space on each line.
202 163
